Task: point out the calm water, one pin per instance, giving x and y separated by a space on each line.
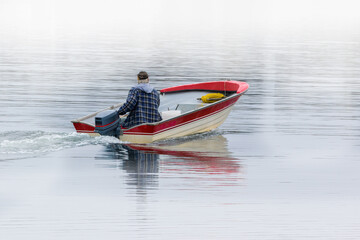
285 164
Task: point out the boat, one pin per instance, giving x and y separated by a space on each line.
185 110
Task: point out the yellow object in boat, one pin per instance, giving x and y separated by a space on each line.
212 97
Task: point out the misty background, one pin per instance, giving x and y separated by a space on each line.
284 165
21 19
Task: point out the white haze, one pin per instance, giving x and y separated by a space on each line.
53 17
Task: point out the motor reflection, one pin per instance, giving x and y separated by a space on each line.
142 167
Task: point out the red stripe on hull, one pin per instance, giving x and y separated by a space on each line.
183 119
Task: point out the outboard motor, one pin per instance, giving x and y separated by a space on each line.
107 123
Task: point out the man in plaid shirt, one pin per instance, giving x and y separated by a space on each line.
142 102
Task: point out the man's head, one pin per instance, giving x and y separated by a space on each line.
143 77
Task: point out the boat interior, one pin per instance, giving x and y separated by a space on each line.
177 103
171 104
184 101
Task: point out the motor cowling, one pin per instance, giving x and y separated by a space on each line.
108 123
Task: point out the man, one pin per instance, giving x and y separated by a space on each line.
142 102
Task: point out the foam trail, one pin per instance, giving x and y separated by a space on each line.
19 144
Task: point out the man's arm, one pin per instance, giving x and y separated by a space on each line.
130 103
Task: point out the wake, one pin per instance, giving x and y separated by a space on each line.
19 143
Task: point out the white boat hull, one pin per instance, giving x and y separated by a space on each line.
200 125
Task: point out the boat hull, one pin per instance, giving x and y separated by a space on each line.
198 125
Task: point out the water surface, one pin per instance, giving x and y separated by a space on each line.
283 166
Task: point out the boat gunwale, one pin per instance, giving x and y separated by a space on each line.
81 119
208 86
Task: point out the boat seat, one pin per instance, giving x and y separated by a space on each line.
187 107
165 115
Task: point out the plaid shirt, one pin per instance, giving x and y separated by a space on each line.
143 107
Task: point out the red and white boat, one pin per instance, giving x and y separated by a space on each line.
183 112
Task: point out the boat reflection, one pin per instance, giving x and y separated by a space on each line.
204 153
